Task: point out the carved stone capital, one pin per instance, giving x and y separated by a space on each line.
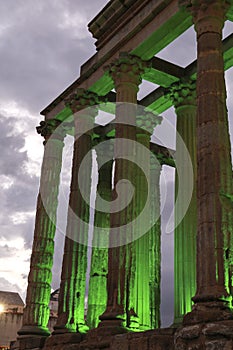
208 15
51 127
183 93
127 69
82 99
147 122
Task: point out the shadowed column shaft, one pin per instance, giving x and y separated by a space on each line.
184 100
146 249
97 293
155 244
126 75
74 267
213 156
213 152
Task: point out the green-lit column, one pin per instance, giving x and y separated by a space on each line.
126 74
214 172
73 278
145 261
36 312
155 243
97 292
183 95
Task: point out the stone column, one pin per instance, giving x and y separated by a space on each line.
73 279
145 260
214 174
183 95
155 244
126 74
36 312
97 293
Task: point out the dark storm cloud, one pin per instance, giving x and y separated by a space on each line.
42 45
19 195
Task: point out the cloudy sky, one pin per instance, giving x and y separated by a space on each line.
42 45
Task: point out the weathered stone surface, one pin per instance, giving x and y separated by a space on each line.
189 332
67 338
120 342
138 342
216 329
31 342
218 345
207 312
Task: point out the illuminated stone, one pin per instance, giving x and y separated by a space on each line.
36 312
183 95
73 279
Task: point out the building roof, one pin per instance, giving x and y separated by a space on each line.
10 298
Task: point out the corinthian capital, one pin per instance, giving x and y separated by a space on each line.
147 121
127 68
183 93
82 99
51 128
208 15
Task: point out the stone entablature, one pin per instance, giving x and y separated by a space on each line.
116 15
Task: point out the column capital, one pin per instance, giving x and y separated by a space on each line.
127 69
82 99
147 121
83 104
183 93
50 127
208 15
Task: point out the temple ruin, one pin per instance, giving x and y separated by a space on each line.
123 309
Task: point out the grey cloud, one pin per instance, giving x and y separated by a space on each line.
20 196
7 286
43 57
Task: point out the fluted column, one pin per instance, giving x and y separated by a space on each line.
73 279
36 312
155 244
214 174
126 74
145 262
97 293
183 95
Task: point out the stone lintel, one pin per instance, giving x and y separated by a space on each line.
58 105
165 155
112 13
163 73
169 22
157 100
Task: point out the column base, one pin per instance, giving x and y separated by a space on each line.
81 328
210 311
111 324
34 330
63 341
31 342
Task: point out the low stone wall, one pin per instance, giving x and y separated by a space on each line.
202 336
208 336
161 339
